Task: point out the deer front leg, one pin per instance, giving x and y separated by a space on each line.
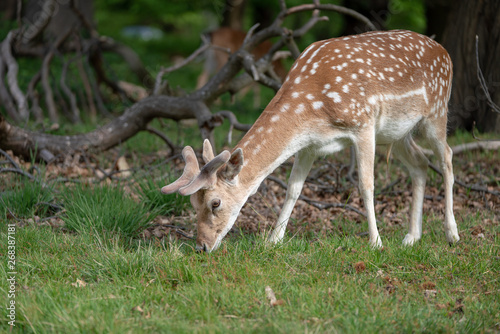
365 155
301 167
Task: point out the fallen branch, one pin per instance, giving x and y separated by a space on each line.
473 187
317 204
459 149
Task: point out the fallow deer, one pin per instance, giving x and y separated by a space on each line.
361 90
231 40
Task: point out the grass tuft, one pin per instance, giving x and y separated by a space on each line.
105 210
25 200
148 189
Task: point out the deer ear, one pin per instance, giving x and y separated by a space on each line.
233 166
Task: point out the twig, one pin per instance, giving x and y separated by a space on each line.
94 86
175 67
339 9
183 234
33 96
482 81
83 19
473 187
8 209
317 204
85 80
17 171
483 140
9 158
75 112
160 134
49 97
233 123
389 186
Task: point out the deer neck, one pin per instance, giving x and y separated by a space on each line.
270 142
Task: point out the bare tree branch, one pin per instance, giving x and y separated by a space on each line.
75 112
482 81
5 96
330 7
160 134
12 70
186 61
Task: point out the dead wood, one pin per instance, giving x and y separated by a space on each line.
12 70
194 105
317 204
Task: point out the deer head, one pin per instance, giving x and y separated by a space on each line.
210 188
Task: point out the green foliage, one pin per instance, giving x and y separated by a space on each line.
25 199
407 14
148 189
105 210
320 284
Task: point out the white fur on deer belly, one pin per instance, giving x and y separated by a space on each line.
390 130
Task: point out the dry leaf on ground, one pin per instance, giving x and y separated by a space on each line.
272 297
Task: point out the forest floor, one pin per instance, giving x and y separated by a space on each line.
73 276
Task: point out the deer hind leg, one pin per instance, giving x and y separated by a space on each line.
365 155
301 167
415 161
437 138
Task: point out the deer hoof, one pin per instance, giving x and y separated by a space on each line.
409 240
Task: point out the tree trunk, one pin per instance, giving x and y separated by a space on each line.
468 103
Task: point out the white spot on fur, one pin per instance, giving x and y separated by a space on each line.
300 108
317 104
335 96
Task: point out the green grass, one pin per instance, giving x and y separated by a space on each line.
102 208
25 199
149 194
178 290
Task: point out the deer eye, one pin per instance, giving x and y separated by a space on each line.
215 204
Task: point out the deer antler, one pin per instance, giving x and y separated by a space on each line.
191 170
192 179
207 176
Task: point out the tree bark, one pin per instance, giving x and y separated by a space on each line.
468 103
30 144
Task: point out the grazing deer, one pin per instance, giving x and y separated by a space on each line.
362 90
231 40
